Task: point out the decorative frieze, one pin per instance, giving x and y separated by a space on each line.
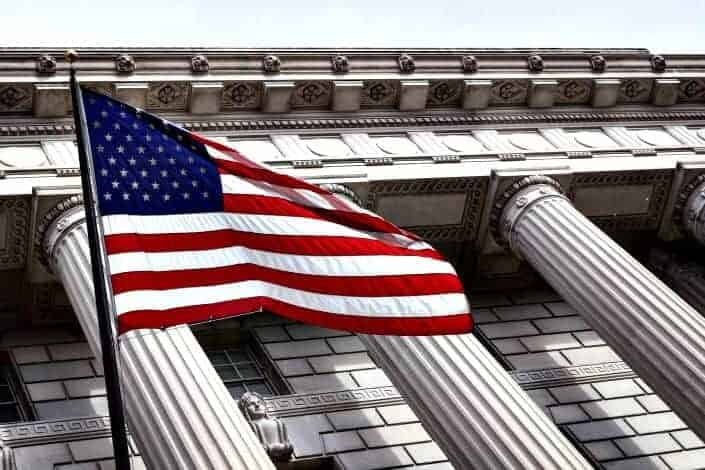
635 90
691 89
509 92
574 91
444 92
14 232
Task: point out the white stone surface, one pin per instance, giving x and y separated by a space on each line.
328 147
462 143
397 145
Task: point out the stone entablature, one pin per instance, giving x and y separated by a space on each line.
210 82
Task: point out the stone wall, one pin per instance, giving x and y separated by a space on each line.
340 404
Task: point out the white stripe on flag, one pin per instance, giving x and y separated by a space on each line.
398 306
375 265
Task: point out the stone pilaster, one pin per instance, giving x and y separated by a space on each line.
178 410
659 334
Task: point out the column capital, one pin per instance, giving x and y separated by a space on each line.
689 209
515 199
343 191
55 222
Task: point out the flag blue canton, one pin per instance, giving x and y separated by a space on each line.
145 165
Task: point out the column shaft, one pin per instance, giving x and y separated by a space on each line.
178 409
471 407
660 335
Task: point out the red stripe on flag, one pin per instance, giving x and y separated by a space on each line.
444 325
362 286
266 205
291 244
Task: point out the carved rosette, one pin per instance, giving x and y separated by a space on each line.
573 91
598 63
312 94
271 64
508 92
535 63
379 93
691 90
124 63
635 90
15 98
168 96
339 64
46 64
658 63
444 92
200 64
469 63
242 95
406 63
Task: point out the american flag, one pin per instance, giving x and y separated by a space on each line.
196 231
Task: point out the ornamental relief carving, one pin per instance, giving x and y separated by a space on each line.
508 92
474 190
168 96
659 180
573 91
105 88
313 94
379 93
14 219
242 95
691 90
444 92
635 91
15 98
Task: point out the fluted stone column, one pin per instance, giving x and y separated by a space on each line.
471 407
659 334
178 409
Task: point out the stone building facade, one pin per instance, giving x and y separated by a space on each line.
566 186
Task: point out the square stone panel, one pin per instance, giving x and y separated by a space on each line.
171 96
16 98
379 93
241 95
311 94
438 210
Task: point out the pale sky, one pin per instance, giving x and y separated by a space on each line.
663 26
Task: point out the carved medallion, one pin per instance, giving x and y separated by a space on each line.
171 96
444 93
635 91
46 64
535 63
125 63
469 63
691 90
598 63
311 94
573 91
242 95
200 64
271 64
15 98
379 93
340 64
658 63
509 92
406 63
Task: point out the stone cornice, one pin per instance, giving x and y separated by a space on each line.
19 128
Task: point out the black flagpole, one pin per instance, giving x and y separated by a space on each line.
102 302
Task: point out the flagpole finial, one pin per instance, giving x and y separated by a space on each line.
71 55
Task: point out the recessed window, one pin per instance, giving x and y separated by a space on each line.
240 372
